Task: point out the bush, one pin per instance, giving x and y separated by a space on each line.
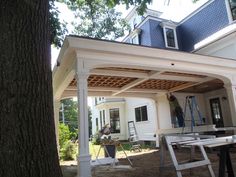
96 140
68 151
67 148
64 134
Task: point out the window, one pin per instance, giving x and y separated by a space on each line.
135 36
216 112
232 5
103 116
115 120
135 39
170 38
97 124
134 23
141 114
96 101
101 125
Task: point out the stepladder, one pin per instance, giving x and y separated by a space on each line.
133 137
183 140
192 107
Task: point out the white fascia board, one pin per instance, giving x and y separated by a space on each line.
100 53
168 23
131 14
147 13
216 36
61 55
154 13
86 45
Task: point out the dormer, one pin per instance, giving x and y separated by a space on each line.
170 36
231 9
134 19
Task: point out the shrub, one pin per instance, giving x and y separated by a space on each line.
64 134
67 148
96 140
68 151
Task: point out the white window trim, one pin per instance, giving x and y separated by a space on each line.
136 38
135 33
229 13
175 36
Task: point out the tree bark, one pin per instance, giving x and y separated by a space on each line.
27 130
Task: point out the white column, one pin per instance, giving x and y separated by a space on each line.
56 105
163 112
84 168
231 92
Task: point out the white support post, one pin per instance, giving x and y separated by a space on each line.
56 106
163 112
231 92
84 167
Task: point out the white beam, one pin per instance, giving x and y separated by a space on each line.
130 85
187 85
123 94
100 91
137 82
107 72
151 75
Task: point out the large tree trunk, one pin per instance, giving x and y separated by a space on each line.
27 134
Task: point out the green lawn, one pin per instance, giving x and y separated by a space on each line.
93 149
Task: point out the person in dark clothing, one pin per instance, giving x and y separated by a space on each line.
176 108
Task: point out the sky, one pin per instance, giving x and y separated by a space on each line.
176 10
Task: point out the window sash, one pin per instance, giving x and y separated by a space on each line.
115 120
141 114
170 37
232 4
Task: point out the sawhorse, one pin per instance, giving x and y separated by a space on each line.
182 139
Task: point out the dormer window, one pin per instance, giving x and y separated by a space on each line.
134 37
232 5
170 37
134 23
169 32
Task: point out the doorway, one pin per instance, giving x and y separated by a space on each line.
216 112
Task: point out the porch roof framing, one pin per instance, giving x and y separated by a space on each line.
101 58
103 68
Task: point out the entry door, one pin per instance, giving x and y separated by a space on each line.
216 112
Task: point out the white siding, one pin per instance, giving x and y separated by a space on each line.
146 129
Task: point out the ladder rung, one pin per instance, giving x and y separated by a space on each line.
192 165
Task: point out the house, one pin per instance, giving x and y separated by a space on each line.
196 57
195 34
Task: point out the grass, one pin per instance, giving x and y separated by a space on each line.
93 149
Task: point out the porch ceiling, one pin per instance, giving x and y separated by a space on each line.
117 80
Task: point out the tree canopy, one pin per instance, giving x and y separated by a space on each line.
93 18
98 21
